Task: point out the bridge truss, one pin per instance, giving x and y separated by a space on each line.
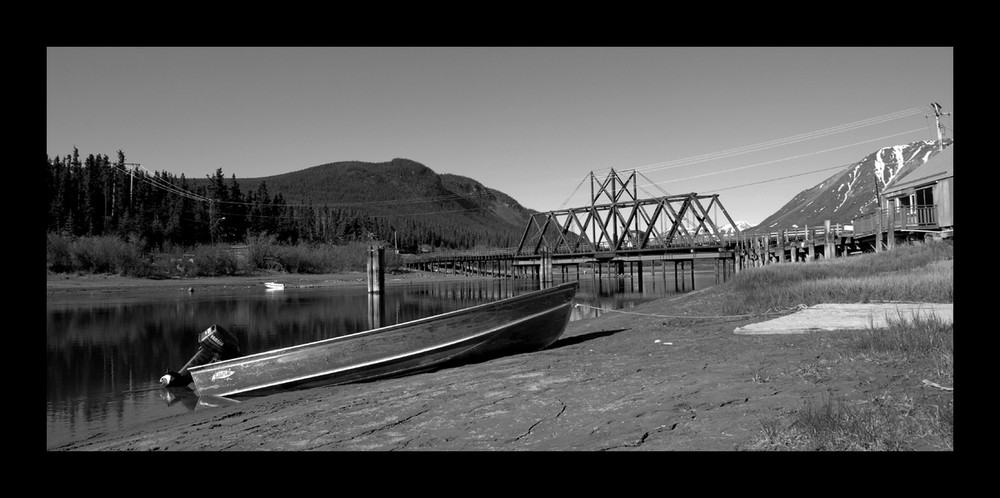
617 220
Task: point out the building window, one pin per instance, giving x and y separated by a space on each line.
924 196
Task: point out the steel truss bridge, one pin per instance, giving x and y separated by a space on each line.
618 221
615 229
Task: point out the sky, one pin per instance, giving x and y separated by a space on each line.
755 125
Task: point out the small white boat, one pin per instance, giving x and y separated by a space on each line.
274 286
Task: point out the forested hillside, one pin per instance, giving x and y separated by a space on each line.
398 202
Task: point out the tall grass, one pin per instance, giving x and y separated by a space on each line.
907 273
882 423
907 339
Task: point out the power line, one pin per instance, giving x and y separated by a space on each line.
788 158
779 142
782 177
574 191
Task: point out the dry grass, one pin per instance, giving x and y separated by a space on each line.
918 272
886 422
882 423
922 346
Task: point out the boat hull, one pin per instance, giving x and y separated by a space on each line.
520 324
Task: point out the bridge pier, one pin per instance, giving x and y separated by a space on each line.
545 268
376 269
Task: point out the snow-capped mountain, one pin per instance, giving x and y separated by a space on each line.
850 192
740 225
724 228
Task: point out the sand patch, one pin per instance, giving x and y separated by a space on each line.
847 317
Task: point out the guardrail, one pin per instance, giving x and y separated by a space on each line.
901 218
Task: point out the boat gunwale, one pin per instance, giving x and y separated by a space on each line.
261 355
390 359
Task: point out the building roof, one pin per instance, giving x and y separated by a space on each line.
937 167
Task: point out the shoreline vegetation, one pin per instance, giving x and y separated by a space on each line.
921 347
917 348
112 254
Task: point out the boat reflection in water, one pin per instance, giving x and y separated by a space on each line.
523 323
189 399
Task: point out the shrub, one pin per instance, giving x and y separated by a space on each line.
260 248
211 261
103 254
58 257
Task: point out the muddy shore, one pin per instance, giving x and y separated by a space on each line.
103 283
666 375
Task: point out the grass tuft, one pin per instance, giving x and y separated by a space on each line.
882 423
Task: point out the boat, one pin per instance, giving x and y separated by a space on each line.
274 286
519 324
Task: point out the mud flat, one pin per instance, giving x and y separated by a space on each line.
102 283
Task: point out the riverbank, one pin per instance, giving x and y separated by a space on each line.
57 283
666 375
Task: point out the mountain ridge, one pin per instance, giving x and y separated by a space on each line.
447 210
852 191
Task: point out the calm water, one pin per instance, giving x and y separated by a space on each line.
106 353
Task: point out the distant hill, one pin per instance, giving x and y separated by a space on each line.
850 192
409 201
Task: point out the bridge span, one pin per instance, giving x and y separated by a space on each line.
620 231
617 229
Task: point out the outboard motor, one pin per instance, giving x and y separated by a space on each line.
214 344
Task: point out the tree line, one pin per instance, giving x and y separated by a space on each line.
97 196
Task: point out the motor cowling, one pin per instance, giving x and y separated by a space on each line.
214 344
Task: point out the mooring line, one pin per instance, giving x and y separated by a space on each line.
769 312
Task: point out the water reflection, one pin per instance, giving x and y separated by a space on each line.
105 354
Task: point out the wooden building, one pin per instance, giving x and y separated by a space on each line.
919 201
923 196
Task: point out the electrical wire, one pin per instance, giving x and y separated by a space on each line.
588 175
780 142
789 158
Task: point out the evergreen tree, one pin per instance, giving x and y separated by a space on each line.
236 213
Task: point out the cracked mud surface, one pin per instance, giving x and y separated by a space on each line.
620 382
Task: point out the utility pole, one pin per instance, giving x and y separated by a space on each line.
211 224
131 186
938 125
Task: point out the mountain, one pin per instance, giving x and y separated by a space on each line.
424 207
850 192
740 225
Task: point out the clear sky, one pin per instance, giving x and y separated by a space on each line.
532 122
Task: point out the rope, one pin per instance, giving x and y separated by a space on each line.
768 312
